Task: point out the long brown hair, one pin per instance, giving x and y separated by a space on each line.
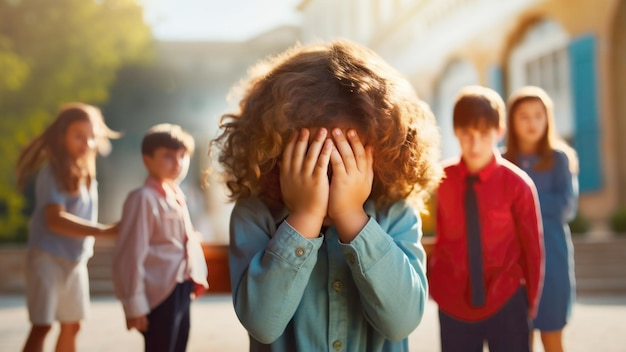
50 146
321 86
549 142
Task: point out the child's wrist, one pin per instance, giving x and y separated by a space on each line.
350 224
306 225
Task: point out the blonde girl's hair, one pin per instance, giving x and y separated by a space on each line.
327 85
549 142
50 146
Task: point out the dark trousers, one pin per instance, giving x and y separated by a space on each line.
168 323
506 331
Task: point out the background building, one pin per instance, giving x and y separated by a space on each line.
188 85
574 49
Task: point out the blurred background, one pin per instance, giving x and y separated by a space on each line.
152 61
145 62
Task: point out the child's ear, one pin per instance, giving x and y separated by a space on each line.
146 159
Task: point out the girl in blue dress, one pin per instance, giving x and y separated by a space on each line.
62 162
534 146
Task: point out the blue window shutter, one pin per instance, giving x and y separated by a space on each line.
582 57
495 80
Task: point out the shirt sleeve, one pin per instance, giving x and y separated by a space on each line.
266 262
388 264
47 190
561 201
130 252
530 234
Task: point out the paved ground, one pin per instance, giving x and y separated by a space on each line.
598 325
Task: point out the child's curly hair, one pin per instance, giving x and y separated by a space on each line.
324 86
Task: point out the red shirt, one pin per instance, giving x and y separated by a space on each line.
511 233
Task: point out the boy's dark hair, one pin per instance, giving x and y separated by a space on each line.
168 136
478 107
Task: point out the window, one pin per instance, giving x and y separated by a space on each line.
542 59
457 75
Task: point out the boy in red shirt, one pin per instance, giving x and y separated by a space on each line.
158 264
486 268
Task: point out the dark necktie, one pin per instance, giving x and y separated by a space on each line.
474 246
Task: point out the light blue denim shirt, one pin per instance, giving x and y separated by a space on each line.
298 294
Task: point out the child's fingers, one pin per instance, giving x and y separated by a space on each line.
321 166
299 150
285 165
358 150
369 157
344 149
313 153
294 151
336 162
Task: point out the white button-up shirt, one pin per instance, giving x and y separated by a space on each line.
157 248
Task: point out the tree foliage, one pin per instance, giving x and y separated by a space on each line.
52 52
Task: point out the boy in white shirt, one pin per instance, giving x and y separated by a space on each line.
158 259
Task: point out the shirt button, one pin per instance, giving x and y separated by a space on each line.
299 252
337 345
337 285
351 258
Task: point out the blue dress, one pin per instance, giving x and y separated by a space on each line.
557 189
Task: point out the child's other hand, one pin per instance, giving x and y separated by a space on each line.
304 180
110 230
140 323
198 290
351 184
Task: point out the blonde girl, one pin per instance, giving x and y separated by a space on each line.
328 151
534 145
64 221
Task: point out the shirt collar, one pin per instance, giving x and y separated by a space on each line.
164 188
486 171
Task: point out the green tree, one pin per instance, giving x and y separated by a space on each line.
52 52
